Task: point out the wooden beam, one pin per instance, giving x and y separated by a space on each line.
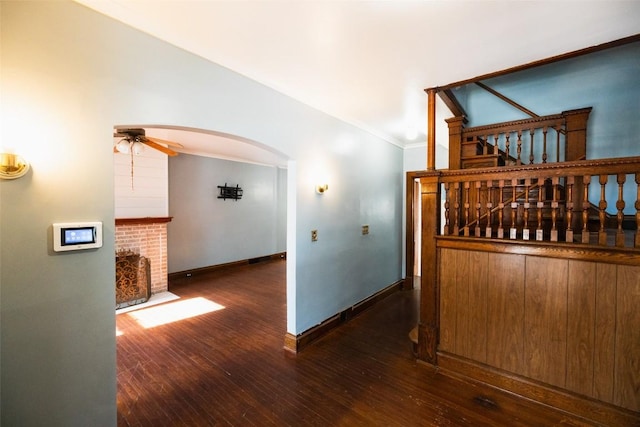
507 100
431 130
452 103
551 60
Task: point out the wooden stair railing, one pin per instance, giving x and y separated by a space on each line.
611 220
543 202
543 139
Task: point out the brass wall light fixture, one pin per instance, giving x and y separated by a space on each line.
12 166
321 188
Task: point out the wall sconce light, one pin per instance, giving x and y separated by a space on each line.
321 188
12 166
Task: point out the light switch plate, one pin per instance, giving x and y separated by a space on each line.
314 235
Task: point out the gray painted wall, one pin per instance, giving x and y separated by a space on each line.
68 76
208 231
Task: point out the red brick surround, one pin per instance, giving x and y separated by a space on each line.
148 237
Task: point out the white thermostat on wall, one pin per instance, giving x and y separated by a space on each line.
73 236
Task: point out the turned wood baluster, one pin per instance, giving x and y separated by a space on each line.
495 145
554 209
456 208
506 148
620 206
527 206
602 234
540 205
513 231
544 144
467 205
447 226
478 208
531 158
585 208
519 148
558 130
488 230
637 239
500 209
485 142
570 180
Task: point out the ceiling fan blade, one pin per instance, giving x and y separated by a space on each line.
159 147
164 141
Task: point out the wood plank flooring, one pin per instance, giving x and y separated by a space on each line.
228 367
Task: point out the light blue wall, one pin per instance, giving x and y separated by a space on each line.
68 76
608 81
208 231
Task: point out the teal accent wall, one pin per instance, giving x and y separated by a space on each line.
608 81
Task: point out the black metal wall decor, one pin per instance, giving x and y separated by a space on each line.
226 192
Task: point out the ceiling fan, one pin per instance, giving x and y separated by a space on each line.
134 140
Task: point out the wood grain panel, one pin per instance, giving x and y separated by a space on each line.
627 368
581 318
478 302
605 332
505 312
447 300
545 344
464 271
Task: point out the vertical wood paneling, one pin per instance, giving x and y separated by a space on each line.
463 271
567 323
447 300
505 311
605 332
627 367
581 318
545 345
478 306
147 193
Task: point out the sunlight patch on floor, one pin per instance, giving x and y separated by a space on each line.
119 332
174 311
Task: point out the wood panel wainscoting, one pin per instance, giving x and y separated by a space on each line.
542 320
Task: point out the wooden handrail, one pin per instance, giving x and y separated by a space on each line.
610 166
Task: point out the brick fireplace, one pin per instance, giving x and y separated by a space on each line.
147 237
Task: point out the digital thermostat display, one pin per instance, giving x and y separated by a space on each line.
76 236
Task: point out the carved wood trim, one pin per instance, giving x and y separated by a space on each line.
609 166
591 409
611 255
551 60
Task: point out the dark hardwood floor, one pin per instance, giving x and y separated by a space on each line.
228 367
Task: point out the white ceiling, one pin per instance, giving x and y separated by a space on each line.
368 62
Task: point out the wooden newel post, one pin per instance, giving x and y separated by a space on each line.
456 124
576 137
428 328
576 145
